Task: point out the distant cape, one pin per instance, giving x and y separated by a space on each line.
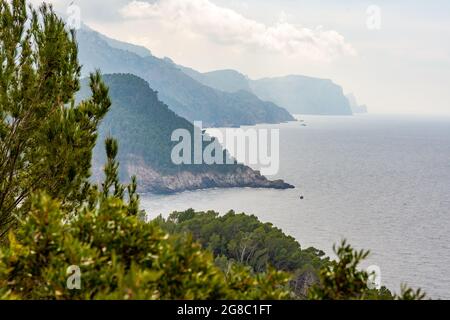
297 94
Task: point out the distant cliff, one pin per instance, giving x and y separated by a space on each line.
183 94
303 95
143 127
297 94
356 108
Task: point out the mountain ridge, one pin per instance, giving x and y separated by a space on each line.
183 94
298 94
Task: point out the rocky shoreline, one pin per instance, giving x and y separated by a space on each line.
152 181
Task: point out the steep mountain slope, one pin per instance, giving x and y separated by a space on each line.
139 50
297 94
186 96
143 127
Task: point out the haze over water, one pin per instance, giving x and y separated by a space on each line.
382 182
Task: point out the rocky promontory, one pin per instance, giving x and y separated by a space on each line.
153 181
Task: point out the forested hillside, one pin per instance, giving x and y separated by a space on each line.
143 126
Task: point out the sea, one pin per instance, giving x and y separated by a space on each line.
382 182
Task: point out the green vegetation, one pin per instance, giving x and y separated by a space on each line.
44 145
343 280
143 126
240 239
243 240
52 218
120 255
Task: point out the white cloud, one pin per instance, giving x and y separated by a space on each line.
204 18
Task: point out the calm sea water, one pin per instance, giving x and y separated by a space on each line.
382 182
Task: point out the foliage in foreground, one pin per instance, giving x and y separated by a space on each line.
120 256
343 280
46 140
240 239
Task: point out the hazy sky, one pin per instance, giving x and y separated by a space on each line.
393 55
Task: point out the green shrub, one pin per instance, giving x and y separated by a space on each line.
343 280
120 257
